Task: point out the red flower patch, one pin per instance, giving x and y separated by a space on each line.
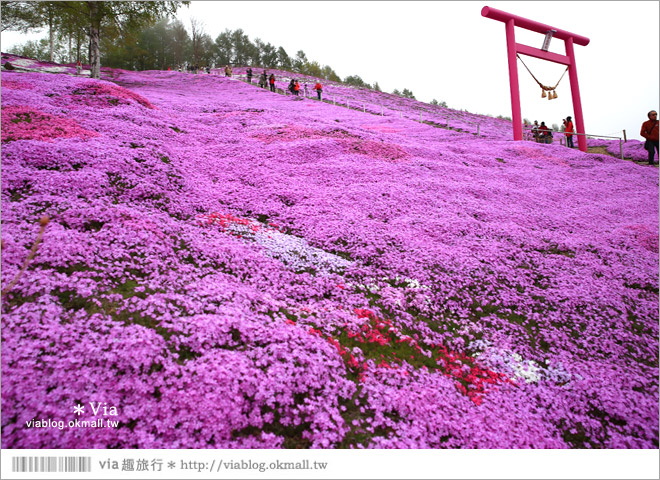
105 95
379 150
380 341
25 123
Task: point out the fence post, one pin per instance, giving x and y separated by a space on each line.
381 110
333 100
447 121
479 130
364 109
348 103
624 137
420 116
621 148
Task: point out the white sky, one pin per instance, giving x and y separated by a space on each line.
448 51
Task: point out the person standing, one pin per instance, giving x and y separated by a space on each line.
262 80
544 131
291 86
535 130
650 133
271 81
318 89
296 88
568 131
249 75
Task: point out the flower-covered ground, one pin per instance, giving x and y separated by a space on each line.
234 268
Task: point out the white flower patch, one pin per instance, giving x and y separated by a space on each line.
23 62
409 283
55 69
512 363
297 253
293 251
34 65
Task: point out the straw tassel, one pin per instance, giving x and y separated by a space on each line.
554 94
543 94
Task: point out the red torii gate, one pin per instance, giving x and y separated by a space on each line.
514 48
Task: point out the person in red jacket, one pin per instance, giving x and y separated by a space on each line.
650 133
318 89
545 135
568 131
296 88
271 80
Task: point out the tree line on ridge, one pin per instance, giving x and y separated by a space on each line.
141 36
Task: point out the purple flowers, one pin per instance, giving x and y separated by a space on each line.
232 268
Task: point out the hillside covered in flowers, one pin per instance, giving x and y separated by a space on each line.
230 267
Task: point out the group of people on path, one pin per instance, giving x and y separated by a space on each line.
294 86
190 68
264 79
542 134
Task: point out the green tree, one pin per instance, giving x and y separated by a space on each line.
113 18
180 43
224 48
196 36
300 61
407 94
355 80
257 52
242 47
32 48
269 57
313 69
329 74
22 16
283 60
26 16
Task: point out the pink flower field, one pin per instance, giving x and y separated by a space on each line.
233 268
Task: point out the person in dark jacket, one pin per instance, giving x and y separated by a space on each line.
650 133
291 85
249 75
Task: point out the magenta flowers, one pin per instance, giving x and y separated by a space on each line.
234 268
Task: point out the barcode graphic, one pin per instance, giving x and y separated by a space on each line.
51 464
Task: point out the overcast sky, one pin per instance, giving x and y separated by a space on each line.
448 51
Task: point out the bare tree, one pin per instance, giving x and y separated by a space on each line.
196 34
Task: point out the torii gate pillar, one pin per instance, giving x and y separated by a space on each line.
514 48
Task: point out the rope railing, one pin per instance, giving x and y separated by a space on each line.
530 136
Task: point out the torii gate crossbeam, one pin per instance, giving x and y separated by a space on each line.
514 48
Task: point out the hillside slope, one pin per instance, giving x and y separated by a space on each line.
233 268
